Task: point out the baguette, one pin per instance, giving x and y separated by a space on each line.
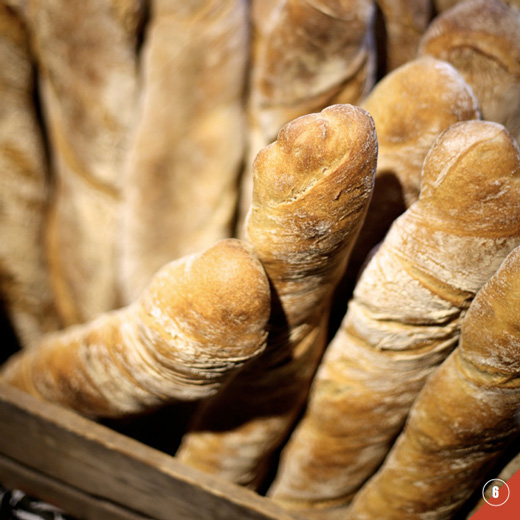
404 318
87 77
411 106
25 288
182 170
198 321
465 417
312 188
305 56
481 39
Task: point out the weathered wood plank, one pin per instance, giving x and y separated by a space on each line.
111 467
14 475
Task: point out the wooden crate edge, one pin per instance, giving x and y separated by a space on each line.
102 463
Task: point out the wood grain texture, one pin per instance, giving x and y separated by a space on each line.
481 39
312 188
183 166
70 500
405 316
87 75
200 320
466 415
25 289
56 442
305 56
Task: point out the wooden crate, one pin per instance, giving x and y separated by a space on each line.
93 472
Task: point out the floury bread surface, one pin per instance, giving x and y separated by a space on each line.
24 283
405 316
182 170
411 106
199 320
311 190
305 56
481 39
86 60
464 418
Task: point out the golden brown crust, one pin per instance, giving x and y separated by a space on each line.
323 157
87 77
486 152
200 319
25 290
182 170
411 106
304 53
464 417
481 39
305 56
406 313
312 187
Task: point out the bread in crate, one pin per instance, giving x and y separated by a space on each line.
200 319
406 313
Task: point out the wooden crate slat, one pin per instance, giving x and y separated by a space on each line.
109 466
74 502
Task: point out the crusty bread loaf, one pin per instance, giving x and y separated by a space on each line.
404 23
199 320
404 318
312 188
305 56
182 171
464 418
86 58
481 38
411 106
24 285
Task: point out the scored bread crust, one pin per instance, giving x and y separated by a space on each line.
465 417
306 55
481 39
411 106
312 188
404 318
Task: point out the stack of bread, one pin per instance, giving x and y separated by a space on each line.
300 217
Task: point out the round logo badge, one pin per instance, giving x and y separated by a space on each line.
495 492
